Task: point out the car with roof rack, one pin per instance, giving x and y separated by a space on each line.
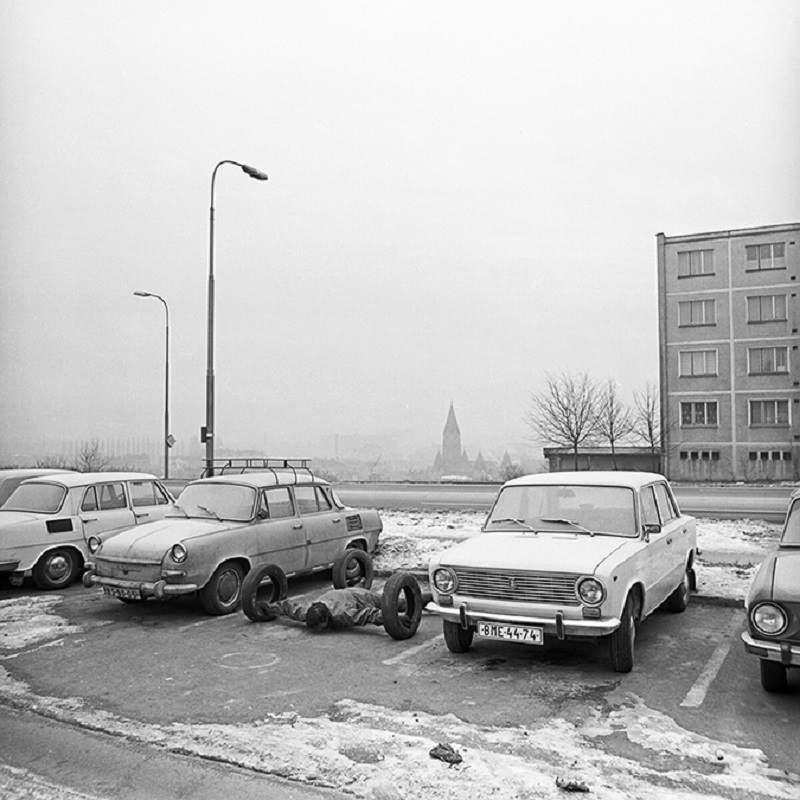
265 511
46 522
568 555
773 606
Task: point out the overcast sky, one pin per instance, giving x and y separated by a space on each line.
461 197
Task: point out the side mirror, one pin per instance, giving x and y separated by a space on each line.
651 528
262 514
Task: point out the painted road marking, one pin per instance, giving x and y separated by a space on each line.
696 695
413 650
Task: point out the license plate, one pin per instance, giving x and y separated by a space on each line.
127 594
510 633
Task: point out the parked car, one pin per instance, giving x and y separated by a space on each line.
11 478
223 526
773 606
46 522
568 555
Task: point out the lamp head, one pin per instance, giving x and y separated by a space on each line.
254 173
143 294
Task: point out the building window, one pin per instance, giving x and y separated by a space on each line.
697 312
701 455
697 362
766 256
775 455
699 414
767 360
766 308
769 412
695 262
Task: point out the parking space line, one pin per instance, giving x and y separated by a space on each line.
695 696
413 650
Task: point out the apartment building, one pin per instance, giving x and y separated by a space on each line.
729 362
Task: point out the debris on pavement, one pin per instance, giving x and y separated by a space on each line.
446 753
571 785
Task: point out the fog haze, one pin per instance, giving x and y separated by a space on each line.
461 198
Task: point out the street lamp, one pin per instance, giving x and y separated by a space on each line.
207 433
168 440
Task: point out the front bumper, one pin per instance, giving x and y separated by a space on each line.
557 625
161 590
9 566
784 652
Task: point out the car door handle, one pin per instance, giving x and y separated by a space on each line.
143 514
298 526
89 519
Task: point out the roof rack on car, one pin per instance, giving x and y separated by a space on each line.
238 466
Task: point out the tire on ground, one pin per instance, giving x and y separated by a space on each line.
57 569
679 598
353 568
401 605
264 584
622 639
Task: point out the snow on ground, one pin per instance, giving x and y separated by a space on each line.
379 753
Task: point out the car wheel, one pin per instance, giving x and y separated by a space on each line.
622 639
221 595
401 605
679 599
353 568
56 569
264 584
773 676
456 638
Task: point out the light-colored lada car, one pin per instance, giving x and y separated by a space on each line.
568 555
223 526
46 522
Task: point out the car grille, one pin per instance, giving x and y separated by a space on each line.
518 586
128 569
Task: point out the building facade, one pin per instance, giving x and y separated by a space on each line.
729 361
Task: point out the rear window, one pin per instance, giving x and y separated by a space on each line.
37 498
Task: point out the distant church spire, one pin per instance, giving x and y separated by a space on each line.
452 454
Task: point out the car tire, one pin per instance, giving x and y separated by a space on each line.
353 568
679 598
401 605
57 569
223 592
621 641
264 584
456 638
773 676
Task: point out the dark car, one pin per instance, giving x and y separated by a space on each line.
773 606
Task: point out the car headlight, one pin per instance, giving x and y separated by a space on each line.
178 553
444 580
769 619
591 591
94 544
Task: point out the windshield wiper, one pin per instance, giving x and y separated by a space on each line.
571 522
516 521
210 512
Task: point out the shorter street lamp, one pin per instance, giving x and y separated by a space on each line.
168 440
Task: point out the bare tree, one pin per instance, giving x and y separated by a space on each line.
614 420
564 413
647 421
91 459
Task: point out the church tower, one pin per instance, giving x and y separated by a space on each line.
451 444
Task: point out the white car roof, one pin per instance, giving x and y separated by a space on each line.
72 479
632 480
273 477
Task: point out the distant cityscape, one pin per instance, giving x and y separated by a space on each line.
338 457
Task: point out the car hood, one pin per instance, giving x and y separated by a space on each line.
539 552
153 538
786 577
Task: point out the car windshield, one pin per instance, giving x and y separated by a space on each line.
605 510
38 498
216 500
791 533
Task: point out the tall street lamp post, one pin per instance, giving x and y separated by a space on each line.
207 433
168 440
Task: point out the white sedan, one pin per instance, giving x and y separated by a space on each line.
46 522
568 555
